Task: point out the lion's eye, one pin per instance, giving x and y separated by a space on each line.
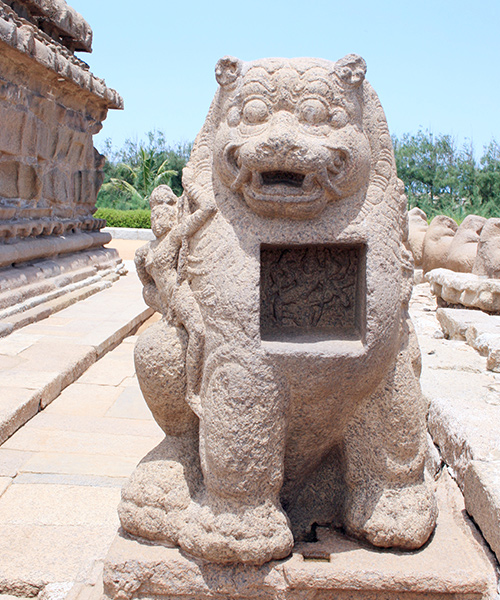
255 111
313 112
339 117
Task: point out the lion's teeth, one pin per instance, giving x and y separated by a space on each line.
243 176
308 183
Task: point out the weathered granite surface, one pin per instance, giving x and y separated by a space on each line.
47 286
453 564
465 290
284 371
417 228
463 248
50 107
437 242
481 485
56 19
464 412
479 329
487 263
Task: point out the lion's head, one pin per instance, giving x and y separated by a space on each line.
290 133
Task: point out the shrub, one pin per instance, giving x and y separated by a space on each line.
140 218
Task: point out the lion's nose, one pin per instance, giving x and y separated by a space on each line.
281 137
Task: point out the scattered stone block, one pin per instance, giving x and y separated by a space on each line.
437 242
480 330
487 263
465 289
417 228
464 411
463 248
481 487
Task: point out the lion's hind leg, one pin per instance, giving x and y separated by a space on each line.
390 501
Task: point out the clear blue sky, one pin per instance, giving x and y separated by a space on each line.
434 63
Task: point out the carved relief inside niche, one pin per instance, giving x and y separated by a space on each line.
311 292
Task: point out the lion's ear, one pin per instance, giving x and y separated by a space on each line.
227 70
351 69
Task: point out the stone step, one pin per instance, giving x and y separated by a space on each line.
479 329
51 306
464 404
38 361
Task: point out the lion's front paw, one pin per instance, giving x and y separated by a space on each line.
393 517
156 497
252 535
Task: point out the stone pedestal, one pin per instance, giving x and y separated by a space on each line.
453 564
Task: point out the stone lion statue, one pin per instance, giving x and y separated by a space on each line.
284 371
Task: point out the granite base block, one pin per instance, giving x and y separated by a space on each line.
454 564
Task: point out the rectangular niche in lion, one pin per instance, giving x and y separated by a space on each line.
311 293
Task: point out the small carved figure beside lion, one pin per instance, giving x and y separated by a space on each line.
284 371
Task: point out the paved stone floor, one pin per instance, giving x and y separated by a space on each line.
61 472
61 475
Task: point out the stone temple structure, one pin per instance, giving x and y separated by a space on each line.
50 107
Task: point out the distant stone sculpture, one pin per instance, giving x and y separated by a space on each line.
476 247
463 248
487 261
50 173
417 228
283 369
437 242
465 290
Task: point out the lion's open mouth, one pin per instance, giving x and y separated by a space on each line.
283 186
282 177
284 193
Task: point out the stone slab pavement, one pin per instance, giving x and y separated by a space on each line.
464 411
61 474
40 360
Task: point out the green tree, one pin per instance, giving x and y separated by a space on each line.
488 179
427 166
440 179
143 178
132 172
